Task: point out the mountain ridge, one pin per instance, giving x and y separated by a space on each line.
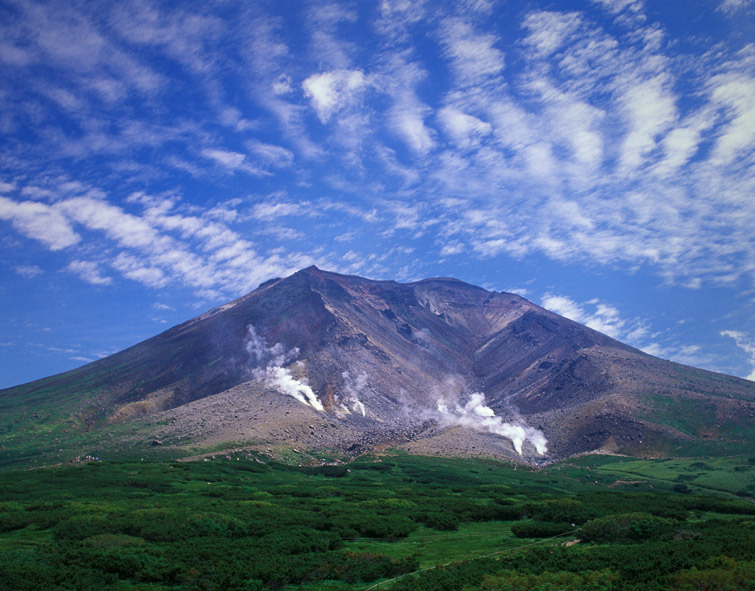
370 363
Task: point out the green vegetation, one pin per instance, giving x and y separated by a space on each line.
714 427
391 522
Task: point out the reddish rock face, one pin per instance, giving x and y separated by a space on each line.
326 360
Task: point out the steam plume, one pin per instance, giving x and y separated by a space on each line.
476 415
268 362
353 387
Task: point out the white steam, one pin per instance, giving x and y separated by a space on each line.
352 389
476 415
268 362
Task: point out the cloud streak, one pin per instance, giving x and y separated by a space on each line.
264 140
746 344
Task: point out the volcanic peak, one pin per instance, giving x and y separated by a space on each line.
436 366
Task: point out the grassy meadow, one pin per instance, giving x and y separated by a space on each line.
394 521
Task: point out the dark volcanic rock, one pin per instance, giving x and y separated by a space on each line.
379 356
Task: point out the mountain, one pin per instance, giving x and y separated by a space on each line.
322 361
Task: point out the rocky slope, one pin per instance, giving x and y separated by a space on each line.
319 360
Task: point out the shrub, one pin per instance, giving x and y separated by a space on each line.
113 541
510 512
547 581
540 529
560 511
11 520
79 527
299 541
722 574
624 528
374 526
359 566
388 505
215 524
439 520
328 470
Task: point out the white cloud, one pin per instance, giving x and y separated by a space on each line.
603 317
397 18
126 229
452 248
680 145
282 233
650 111
627 12
332 91
549 30
271 154
605 145
730 7
520 291
408 118
37 193
474 57
406 216
274 209
136 270
235 161
564 306
83 359
407 114
345 237
39 221
89 272
162 245
607 319
323 21
744 343
266 56
737 94
463 128
283 85
28 271
228 159
616 6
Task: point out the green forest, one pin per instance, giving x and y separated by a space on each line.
391 521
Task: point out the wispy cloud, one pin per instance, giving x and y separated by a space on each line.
39 221
649 113
609 320
598 136
746 344
159 245
89 272
28 271
270 154
595 314
730 7
232 161
474 57
626 12
274 208
331 91
82 359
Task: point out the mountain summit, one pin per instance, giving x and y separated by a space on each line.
320 360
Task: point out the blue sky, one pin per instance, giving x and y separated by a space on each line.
161 158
